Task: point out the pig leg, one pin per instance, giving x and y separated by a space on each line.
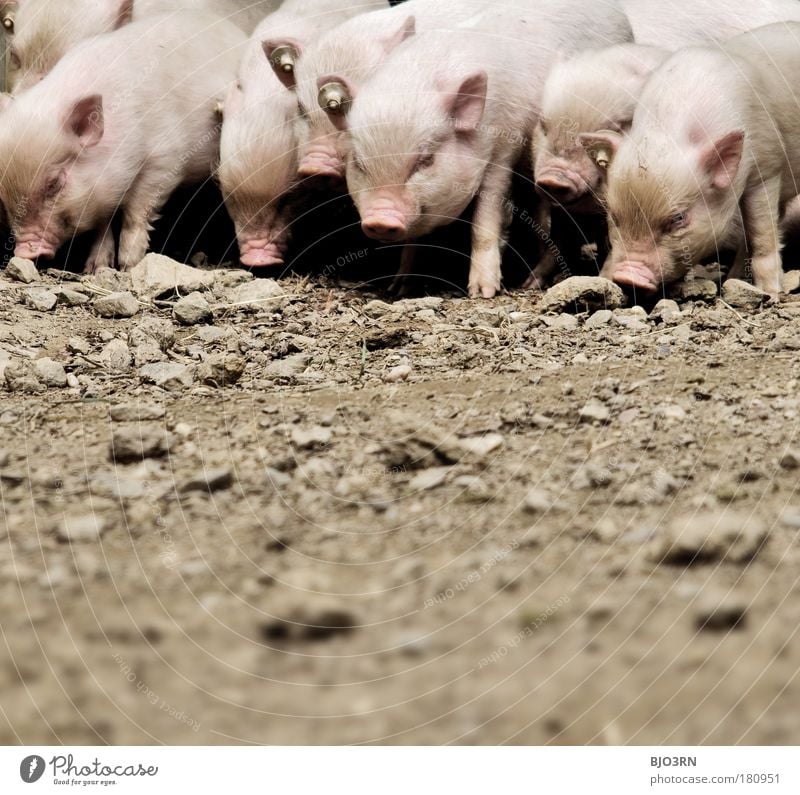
142 206
762 215
102 251
489 226
542 275
401 284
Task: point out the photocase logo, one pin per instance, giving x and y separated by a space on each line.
31 768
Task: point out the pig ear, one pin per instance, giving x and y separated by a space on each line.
405 31
336 95
85 120
601 146
283 55
124 13
720 160
465 106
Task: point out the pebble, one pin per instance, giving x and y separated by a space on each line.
22 270
172 376
594 411
39 298
79 345
255 295
116 305
132 443
192 310
429 479
288 367
50 372
134 412
221 369
157 276
80 528
720 612
790 459
311 438
742 295
116 356
72 298
582 294
599 319
21 377
480 447
209 480
314 620
152 329
537 501
705 536
666 310
696 290
399 373
561 322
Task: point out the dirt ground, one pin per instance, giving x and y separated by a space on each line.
333 517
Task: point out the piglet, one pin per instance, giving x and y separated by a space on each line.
122 120
258 157
46 29
714 151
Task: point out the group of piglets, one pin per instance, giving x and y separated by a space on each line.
674 120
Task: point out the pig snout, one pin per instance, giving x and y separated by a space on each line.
385 215
640 274
33 248
321 159
261 254
561 186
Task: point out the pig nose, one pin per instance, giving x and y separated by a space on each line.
557 189
387 228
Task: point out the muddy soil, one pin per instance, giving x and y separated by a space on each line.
316 514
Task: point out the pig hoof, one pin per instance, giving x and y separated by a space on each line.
534 284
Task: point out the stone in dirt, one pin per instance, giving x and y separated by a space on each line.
152 329
21 377
709 536
594 411
582 294
192 310
209 480
255 295
81 528
742 295
695 290
315 621
721 612
172 376
69 297
133 412
50 372
156 276
311 438
221 369
288 367
429 479
116 356
39 298
133 443
538 501
22 270
116 305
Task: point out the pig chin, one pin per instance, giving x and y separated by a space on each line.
263 253
34 246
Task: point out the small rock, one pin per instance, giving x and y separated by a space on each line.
538 501
134 412
582 294
480 447
151 330
22 270
132 443
209 480
192 310
594 411
429 479
313 620
157 276
80 528
742 295
39 298
705 537
116 305
50 372
255 295
666 310
599 319
116 356
221 369
378 309
167 375
288 367
79 345
21 377
232 277
399 373
791 459
561 322
631 322
695 290
69 297
311 438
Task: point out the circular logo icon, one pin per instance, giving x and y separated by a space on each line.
31 768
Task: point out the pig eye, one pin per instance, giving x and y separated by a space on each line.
678 221
53 186
423 162
545 128
360 165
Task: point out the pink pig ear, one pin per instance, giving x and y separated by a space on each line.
85 120
601 146
405 31
720 159
283 55
465 106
